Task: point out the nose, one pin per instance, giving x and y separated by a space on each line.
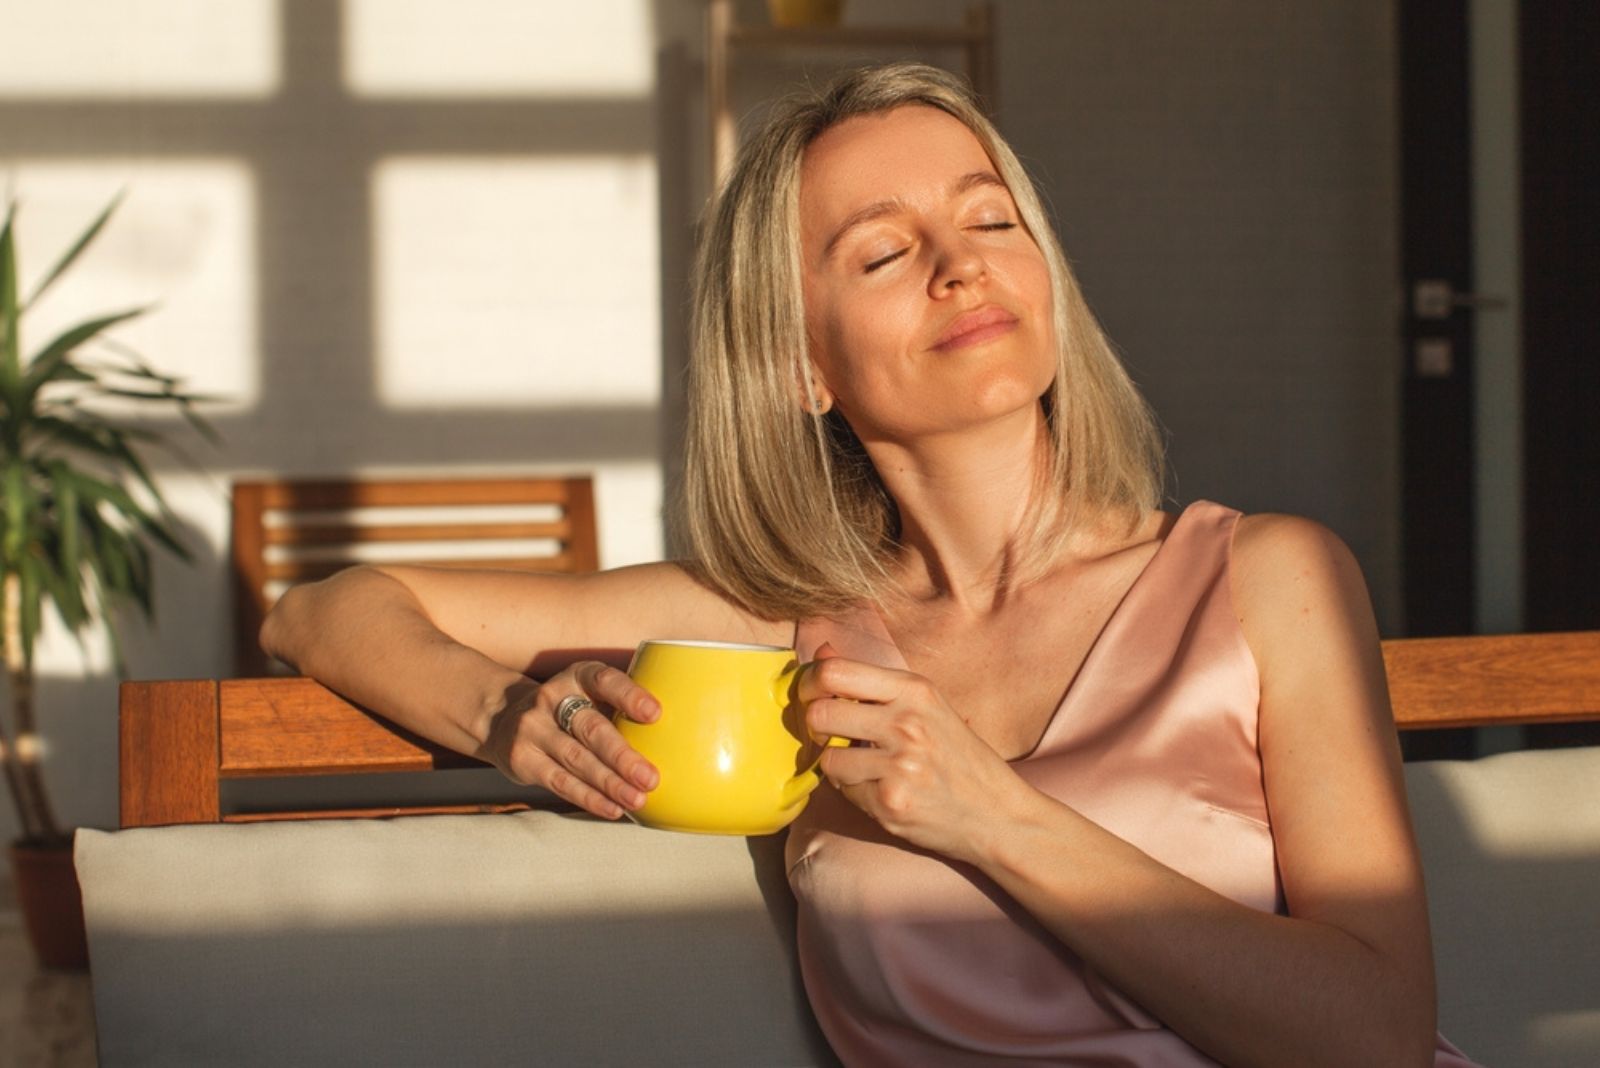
957 262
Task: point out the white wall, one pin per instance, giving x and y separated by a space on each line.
448 235
398 237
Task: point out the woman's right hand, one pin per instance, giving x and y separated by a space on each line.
590 765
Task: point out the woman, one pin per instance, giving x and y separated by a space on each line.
1124 786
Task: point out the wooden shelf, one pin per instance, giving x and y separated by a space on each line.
725 38
777 37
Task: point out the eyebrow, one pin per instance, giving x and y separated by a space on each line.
880 208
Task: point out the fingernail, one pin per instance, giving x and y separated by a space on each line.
633 798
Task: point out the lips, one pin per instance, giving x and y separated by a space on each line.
976 326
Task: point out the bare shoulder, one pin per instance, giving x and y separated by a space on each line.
1296 585
1286 563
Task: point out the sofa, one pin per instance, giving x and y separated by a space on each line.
541 936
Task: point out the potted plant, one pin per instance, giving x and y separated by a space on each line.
79 516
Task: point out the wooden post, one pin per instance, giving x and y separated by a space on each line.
169 753
719 26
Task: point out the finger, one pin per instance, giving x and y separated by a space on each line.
615 689
853 767
838 717
599 738
575 756
839 676
550 774
807 688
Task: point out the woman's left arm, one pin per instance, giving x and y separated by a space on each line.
1347 977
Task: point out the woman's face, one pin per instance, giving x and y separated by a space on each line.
927 303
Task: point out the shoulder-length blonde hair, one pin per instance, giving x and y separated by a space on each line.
780 509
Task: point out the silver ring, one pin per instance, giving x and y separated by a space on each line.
569 708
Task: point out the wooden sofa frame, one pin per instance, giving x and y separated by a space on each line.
179 740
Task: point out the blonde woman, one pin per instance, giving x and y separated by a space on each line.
1124 787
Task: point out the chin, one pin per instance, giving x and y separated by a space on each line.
1007 393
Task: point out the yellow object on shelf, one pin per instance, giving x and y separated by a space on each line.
796 13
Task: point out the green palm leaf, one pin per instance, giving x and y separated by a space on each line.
42 368
10 346
71 255
68 506
137 517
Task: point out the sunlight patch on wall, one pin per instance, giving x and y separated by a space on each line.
182 243
498 48
629 498
517 281
139 48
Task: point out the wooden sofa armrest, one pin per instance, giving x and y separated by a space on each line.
180 739
1493 680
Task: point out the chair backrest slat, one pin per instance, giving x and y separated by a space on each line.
288 531
356 534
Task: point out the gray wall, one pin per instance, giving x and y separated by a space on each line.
1225 178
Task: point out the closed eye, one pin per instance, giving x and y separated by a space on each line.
883 261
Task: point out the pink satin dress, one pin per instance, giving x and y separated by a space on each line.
910 959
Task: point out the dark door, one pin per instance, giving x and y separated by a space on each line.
1437 467
1560 51
1560 120
1553 93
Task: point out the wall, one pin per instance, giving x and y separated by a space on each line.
1225 178
453 235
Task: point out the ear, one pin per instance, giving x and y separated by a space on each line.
813 393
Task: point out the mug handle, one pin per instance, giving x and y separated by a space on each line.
807 779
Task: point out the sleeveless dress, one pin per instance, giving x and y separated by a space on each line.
912 959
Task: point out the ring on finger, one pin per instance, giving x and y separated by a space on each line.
569 708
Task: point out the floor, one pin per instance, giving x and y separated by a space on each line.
46 1018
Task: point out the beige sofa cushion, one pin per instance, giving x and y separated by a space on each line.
1511 851
533 938
547 939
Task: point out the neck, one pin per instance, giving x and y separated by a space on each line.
962 500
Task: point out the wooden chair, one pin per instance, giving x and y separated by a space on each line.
288 531
180 740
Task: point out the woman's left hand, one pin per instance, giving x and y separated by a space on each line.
923 775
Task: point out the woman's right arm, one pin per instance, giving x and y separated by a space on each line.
455 655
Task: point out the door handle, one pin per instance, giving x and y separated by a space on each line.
1435 298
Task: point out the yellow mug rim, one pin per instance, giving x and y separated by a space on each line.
694 643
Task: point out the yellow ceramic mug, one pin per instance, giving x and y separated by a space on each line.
732 751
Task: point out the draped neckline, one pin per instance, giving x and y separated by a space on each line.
1103 639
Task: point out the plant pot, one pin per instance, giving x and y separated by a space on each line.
51 904
792 13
